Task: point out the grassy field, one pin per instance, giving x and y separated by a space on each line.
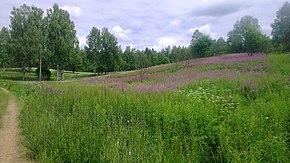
15 74
3 104
231 108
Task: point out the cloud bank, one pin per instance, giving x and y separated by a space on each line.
150 23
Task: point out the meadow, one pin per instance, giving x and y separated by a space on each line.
231 108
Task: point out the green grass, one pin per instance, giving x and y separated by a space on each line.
170 69
16 75
206 121
280 63
3 104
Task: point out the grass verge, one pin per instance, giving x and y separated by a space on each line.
3 104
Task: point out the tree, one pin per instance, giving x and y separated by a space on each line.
281 27
220 46
201 44
152 56
266 44
75 60
110 57
176 54
196 35
93 49
166 52
26 35
43 55
142 63
236 38
253 40
235 42
103 51
5 58
129 58
61 37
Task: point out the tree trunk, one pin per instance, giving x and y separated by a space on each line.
141 75
57 72
40 69
62 74
23 73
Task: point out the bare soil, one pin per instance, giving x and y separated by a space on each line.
11 150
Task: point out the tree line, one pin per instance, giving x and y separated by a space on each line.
48 41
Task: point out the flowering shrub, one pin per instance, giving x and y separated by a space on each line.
249 90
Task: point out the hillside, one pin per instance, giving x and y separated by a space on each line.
229 108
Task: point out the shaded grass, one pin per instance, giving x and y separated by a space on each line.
16 75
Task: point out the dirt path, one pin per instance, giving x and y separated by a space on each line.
10 146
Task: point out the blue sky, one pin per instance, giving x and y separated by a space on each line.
155 23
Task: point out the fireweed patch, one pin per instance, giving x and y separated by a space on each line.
250 90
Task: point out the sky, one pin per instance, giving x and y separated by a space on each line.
155 23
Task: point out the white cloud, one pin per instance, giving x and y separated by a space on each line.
82 41
121 33
73 10
205 29
174 23
163 42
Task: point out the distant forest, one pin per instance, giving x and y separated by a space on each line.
48 41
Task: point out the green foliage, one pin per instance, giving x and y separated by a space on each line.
102 51
45 73
26 35
93 48
76 60
61 37
220 47
5 40
179 53
237 37
255 41
253 38
129 58
201 44
281 28
110 52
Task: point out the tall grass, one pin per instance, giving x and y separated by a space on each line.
205 122
216 120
